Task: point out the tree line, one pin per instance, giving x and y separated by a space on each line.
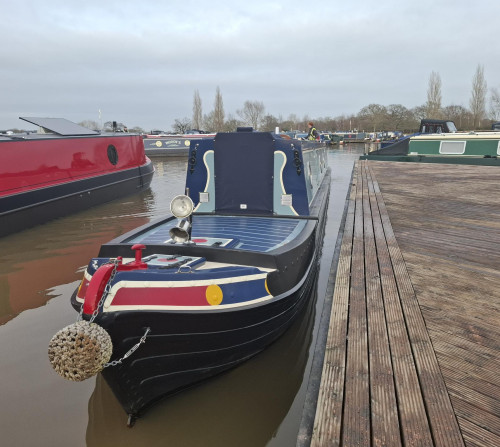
371 118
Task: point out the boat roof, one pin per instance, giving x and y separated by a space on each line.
60 126
457 136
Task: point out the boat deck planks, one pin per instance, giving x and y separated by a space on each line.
412 354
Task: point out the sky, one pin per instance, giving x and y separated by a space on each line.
140 62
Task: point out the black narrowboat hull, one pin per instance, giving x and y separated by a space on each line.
28 209
243 266
184 349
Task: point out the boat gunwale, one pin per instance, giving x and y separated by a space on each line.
120 247
209 310
457 136
215 254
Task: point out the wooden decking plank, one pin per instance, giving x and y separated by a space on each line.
442 419
412 413
472 313
463 237
457 284
356 418
444 247
467 352
479 393
412 350
384 409
417 261
462 327
468 411
477 436
328 419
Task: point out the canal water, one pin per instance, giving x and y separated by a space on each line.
257 404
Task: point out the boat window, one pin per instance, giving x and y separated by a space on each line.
498 148
451 126
112 155
452 147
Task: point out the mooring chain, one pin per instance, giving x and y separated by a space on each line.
130 351
107 289
83 349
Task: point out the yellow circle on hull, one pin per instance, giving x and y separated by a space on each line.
214 295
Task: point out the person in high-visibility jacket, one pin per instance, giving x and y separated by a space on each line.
313 133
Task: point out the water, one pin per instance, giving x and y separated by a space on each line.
257 404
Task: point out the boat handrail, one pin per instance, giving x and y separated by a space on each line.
272 216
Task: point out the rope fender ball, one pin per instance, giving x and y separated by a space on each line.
80 350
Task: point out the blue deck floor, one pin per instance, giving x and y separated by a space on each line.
259 234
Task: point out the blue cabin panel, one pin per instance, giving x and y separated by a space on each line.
283 177
199 176
242 159
292 179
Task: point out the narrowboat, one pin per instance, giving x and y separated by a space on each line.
400 145
471 144
352 137
65 168
191 295
170 145
478 148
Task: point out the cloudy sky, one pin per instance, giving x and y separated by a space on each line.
139 62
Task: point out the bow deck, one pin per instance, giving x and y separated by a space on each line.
260 234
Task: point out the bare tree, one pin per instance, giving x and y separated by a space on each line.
419 112
252 113
373 116
495 104
269 123
458 114
399 117
197 114
89 124
293 120
137 129
231 123
209 122
218 121
478 97
433 104
181 125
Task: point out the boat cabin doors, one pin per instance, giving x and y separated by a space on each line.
244 165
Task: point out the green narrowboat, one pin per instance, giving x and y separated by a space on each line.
474 144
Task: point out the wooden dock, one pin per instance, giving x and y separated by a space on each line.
412 352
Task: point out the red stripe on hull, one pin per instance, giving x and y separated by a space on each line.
158 296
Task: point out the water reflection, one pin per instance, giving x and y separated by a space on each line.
36 260
243 407
260 401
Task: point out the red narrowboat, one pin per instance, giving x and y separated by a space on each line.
65 168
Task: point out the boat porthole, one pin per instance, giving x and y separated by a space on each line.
112 154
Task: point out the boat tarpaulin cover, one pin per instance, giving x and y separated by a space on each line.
398 148
242 159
